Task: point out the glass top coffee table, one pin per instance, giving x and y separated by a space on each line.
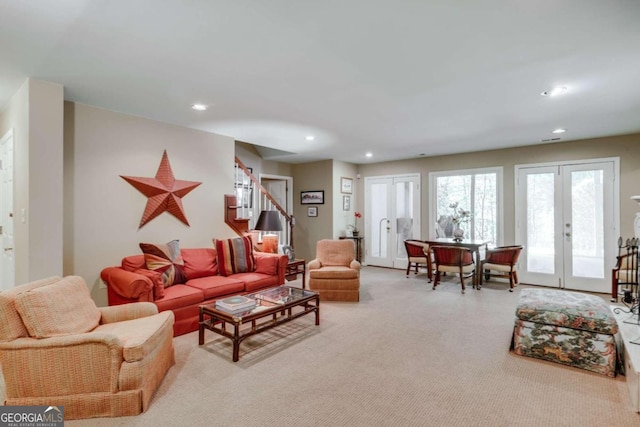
274 306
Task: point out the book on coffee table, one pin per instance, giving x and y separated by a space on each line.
236 303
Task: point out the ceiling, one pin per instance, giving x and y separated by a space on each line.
398 79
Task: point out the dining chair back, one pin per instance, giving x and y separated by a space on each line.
418 255
624 277
454 259
502 262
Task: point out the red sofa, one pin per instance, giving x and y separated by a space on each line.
132 282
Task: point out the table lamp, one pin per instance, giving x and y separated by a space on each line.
269 221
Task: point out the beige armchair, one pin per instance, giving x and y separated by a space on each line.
335 273
58 348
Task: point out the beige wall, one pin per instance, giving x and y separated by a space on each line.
626 147
35 115
102 211
308 230
250 157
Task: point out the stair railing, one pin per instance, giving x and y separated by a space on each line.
246 182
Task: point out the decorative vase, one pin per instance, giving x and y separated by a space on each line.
458 234
356 233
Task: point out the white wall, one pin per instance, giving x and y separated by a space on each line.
35 115
103 211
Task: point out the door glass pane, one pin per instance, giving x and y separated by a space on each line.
379 208
485 210
540 223
587 224
404 216
449 190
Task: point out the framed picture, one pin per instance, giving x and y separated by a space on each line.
346 185
312 197
346 203
288 251
312 211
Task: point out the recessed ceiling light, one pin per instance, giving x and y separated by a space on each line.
199 107
558 90
369 154
559 130
309 137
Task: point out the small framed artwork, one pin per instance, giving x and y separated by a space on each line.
288 251
312 197
346 185
312 211
346 203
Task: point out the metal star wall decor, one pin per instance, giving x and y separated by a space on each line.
165 193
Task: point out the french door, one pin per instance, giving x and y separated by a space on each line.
392 214
566 218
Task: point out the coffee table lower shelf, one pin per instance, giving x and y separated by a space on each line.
216 320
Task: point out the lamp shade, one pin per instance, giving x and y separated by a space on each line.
268 221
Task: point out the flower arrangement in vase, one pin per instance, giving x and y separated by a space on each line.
459 216
354 228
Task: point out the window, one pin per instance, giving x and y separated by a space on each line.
477 190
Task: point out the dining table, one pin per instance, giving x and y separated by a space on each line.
473 245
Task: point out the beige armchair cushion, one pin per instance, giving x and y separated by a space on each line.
334 272
139 337
497 267
335 252
73 310
11 326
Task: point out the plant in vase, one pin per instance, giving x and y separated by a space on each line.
354 228
459 216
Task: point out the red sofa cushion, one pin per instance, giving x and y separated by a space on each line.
267 264
199 262
215 286
256 281
179 296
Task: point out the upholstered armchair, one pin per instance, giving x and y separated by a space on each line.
454 259
58 348
335 274
502 262
418 255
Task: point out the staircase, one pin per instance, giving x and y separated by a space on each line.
240 212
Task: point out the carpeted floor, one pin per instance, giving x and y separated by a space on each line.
405 355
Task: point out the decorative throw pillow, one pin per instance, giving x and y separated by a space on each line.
166 260
234 255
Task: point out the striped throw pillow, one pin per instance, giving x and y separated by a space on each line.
166 260
234 255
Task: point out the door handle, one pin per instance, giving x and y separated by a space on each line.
8 249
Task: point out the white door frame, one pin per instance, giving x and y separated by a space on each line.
392 259
519 205
7 261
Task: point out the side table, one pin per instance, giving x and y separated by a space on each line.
295 267
358 242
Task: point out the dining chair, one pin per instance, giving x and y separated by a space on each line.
624 276
454 259
503 262
418 255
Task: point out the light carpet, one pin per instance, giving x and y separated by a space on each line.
405 355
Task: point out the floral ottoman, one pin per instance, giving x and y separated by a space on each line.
571 328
